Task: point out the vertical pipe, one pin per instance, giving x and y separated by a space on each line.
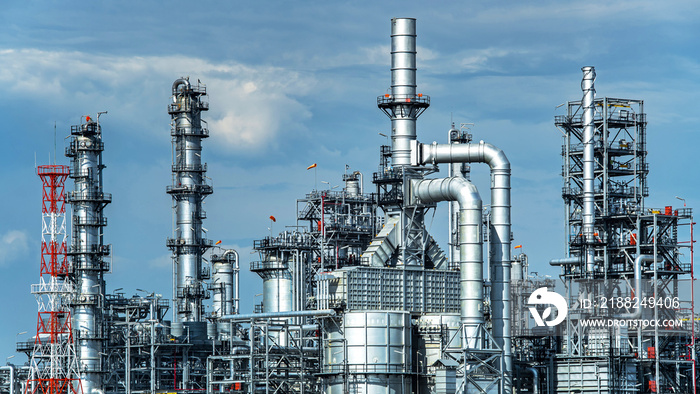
470 246
588 105
499 238
403 87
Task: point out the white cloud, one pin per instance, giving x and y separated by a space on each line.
13 245
251 104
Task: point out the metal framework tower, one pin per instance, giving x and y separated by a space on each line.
620 248
88 251
188 190
54 368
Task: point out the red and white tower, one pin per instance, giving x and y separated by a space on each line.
54 368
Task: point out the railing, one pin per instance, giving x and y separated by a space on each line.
389 99
185 189
190 131
177 242
189 167
80 221
365 368
268 265
88 196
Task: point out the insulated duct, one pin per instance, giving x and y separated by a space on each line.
499 232
588 105
470 248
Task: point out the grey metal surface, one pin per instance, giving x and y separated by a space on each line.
371 349
587 85
403 86
188 190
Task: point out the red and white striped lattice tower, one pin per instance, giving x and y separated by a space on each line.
54 368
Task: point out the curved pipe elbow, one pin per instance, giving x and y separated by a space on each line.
449 189
178 82
460 153
535 379
643 258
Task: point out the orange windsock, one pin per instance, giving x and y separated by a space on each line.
273 218
311 166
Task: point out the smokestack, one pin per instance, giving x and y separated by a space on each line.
588 105
403 105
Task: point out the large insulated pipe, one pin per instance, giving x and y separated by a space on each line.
470 248
188 190
455 136
88 251
588 106
499 238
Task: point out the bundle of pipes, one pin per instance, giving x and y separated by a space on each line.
405 107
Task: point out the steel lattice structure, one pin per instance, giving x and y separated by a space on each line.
53 363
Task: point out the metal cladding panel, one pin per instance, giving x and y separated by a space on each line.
429 338
417 291
583 376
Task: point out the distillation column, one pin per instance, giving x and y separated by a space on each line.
188 190
88 251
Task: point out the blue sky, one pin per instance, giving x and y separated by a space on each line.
293 83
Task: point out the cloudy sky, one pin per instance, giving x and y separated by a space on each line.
295 83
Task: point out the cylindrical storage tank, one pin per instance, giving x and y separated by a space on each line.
352 184
222 285
277 291
373 349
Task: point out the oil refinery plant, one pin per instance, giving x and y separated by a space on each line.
359 298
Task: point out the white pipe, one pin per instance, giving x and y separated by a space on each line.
11 368
499 238
470 248
237 280
588 106
644 258
273 315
